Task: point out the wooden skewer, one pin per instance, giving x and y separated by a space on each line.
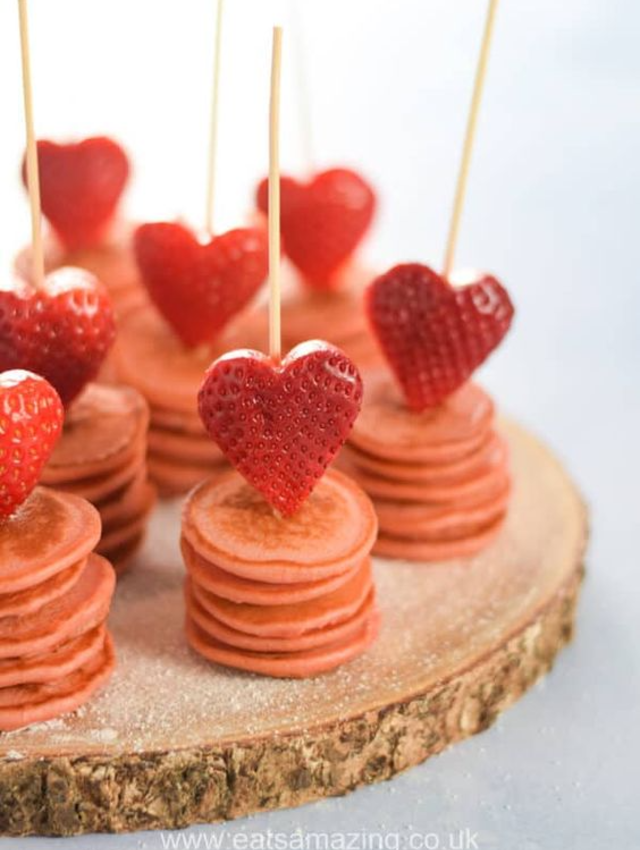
275 342
302 84
469 137
33 179
213 122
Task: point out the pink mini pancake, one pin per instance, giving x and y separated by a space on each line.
138 498
26 704
309 640
288 665
230 525
288 621
237 589
82 608
122 555
481 486
198 449
102 487
441 522
149 356
491 449
53 665
112 262
363 350
386 428
164 419
50 532
115 496
121 535
174 479
336 316
417 550
132 490
102 432
24 602
126 302
435 455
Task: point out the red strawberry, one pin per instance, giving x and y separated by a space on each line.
31 418
322 221
281 426
198 287
80 186
62 331
435 335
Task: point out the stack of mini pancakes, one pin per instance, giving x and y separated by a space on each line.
55 593
148 356
101 456
286 598
111 261
439 480
337 316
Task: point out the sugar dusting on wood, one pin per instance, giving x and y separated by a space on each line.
434 617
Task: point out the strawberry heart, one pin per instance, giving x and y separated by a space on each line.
31 418
322 221
62 331
281 426
80 186
199 287
435 335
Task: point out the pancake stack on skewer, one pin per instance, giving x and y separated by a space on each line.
279 596
55 593
323 222
426 447
63 329
279 570
431 456
152 355
199 283
102 457
81 185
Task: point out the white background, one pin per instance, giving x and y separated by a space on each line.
554 211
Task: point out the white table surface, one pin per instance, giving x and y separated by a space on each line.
554 210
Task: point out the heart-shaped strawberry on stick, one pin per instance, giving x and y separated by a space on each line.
61 330
199 286
31 416
80 186
281 425
433 334
322 221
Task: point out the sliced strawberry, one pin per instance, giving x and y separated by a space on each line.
322 221
433 334
80 186
62 331
31 417
281 426
198 286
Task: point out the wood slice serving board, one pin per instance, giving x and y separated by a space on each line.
174 740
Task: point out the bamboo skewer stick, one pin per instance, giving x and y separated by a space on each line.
33 179
275 341
213 123
469 138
